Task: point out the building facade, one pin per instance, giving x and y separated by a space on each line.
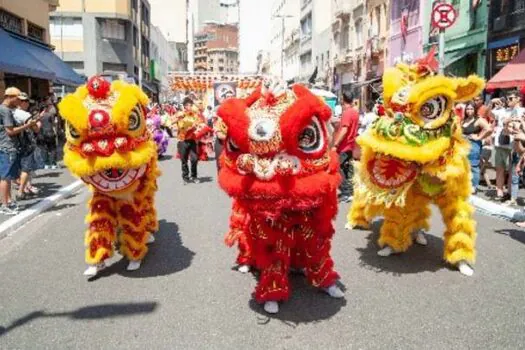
465 41
102 37
306 63
25 41
405 41
217 49
321 40
506 33
284 22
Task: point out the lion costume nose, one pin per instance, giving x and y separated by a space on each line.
98 119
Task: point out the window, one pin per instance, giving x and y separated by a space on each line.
35 32
66 28
344 38
113 67
377 22
221 69
11 22
113 29
359 32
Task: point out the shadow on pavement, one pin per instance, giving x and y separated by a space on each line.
205 179
167 255
516 234
306 304
47 174
417 259
86 313
164 157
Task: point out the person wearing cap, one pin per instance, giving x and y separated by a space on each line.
28 163
9 149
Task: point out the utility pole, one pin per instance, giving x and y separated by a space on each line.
283 18
140 42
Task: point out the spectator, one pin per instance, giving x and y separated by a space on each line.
27 146
344 145
368 118
475 128
48 136
503 141
516 129
9 149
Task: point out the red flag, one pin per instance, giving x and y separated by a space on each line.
404 24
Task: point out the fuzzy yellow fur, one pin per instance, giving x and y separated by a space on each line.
132 234
406 210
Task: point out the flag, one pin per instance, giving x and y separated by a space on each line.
404 24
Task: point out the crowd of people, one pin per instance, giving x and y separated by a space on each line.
31 135
496 131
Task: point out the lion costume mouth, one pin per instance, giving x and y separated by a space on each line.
114 179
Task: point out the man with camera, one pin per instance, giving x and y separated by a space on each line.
10 148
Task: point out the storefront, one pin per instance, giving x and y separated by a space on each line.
32 66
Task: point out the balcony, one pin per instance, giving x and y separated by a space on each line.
343 11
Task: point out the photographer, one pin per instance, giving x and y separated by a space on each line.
28 161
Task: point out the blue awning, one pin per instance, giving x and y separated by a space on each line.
36 59
14 59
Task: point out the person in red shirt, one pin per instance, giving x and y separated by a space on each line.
344 145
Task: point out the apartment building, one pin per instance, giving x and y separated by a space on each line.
306 66
217 49
284 39
102 37
31 64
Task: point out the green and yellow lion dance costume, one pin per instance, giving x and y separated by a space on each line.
109 147
416 155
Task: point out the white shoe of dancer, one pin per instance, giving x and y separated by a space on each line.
465 269
334 291
151 239
244 268
386 251
420 238
271 307
134 265
92 270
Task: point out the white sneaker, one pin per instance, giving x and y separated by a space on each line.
54 167
386 251
92 270
134 265
8 211
151 239
334 291
465 269
244 268
271 307
420 238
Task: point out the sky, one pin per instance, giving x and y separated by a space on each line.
255 32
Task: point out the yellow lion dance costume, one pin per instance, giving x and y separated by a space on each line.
109 148
414 156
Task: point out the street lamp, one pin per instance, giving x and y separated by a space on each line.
283 18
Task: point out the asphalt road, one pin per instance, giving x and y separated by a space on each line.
186 296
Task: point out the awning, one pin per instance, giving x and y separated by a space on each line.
455 56
31 59
14 59
510 76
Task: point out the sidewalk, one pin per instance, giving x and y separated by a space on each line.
48 183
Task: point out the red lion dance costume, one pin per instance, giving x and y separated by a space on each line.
277 167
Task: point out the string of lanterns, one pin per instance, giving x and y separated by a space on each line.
205 82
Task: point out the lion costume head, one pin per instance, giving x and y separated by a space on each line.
108 145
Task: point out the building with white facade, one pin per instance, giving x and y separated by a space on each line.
321 39
306 64
284 32
161 54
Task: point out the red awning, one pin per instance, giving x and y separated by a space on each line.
510 76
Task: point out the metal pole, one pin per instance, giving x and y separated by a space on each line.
441 51
140 42
282 47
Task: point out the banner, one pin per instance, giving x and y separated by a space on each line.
223 91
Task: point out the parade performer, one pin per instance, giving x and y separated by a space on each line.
416 155
159 135
191 127
109 148
278 168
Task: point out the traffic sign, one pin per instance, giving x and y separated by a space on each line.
444 16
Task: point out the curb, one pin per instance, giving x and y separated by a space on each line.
24 217
498 210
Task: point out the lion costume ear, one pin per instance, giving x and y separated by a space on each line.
468 88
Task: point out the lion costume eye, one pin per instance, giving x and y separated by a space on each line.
433 108
232 146
311 138
72 131
135 119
